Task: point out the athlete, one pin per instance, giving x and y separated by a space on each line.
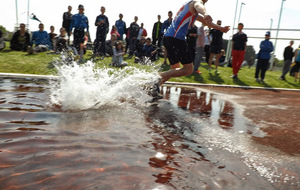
174 38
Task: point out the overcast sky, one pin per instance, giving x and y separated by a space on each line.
255 14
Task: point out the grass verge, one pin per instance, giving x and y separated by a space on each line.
41 64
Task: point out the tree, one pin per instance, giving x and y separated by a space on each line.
250 55
6 34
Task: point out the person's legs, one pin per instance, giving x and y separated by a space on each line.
102 47
154 41
217 61
197 59
297 67
234 61
77 39
207 53
81 52
96 46
239 58
159 42
210 60
165 54
265 66
176 71
258 68
132 46
286 68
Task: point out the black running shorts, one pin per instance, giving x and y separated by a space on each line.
177 51
78 37
215 49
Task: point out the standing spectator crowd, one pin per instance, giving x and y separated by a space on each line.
205 44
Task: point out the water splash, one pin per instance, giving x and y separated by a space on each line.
88 86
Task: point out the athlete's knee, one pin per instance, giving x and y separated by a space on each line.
188 69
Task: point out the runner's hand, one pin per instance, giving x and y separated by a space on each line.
226 29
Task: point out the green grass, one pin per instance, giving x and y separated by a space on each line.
41 63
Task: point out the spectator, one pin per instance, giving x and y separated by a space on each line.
150 50
114 31
41 40
133 34
297 66
102 30
164 28
191 38
200 44
139 49
266 47
121 27
167 23
156 32
239 45
67 19
215 47
118 54
288 55
109 45
207 45
20 40
142 32
81 24
52 35
222 61
61 41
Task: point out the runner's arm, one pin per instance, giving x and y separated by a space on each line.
225 29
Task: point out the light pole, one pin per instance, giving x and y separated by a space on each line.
236 7
17 14
241 11
28 14
228 51
271 24
278 26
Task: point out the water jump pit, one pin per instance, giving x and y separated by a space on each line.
53 137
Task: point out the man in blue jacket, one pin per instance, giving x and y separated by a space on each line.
264 55
121 26
41 37
81 24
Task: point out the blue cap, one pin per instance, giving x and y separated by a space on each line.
268 33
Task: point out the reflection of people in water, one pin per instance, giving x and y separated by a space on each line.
189 100
184 97
226 119
167 93
163 144
169 142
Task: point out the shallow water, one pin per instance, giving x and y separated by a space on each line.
191 139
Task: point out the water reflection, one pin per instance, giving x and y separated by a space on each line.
203 104
179 142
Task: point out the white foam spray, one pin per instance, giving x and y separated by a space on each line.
87 86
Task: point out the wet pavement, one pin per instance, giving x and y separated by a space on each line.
276 112
194 138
